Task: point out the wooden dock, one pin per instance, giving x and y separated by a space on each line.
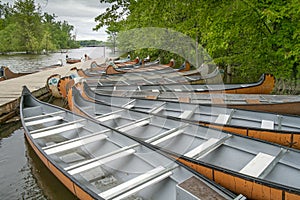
10 90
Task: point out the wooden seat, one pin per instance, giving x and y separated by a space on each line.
134 185
207 147
41 121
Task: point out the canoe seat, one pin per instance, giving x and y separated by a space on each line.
262 164
267 124
134 124
56 131
257 165
87 165
42 116
136 184
155 90
167 137
157 109
188 113
45 120
129 104
109 117
206 147
222 119
71 144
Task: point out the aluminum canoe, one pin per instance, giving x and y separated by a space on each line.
272 127
265 85
255 168
97 162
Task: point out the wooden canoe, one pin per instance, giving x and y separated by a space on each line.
147 78
52 85
281 104
6 73
255 168
265 85
113 70
272 127
96 162
72 60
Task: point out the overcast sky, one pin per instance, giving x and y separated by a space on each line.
79 13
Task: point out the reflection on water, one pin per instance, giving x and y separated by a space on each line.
30 63
23 175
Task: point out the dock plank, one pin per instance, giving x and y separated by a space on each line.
11 89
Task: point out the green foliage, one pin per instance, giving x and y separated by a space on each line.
24 28
91 43
252 37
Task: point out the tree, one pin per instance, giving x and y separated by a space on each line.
250 37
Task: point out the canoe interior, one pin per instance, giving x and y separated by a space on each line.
100 161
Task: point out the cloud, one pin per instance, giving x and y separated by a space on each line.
79 13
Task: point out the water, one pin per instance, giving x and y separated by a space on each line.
22 174
30 63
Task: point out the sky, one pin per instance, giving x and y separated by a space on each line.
79 13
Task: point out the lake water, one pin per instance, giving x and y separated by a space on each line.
22 174
24 62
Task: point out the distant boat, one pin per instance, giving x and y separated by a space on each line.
72 60
6 73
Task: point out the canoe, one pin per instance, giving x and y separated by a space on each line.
96 162
272 127
281 104
265 85
6 73
52 85
97 71
147 78
72 60
110 70
255 168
